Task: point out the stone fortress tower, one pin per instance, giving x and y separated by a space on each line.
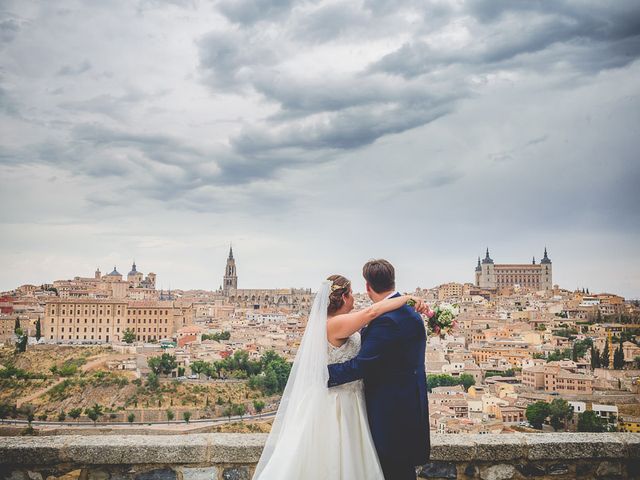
533 276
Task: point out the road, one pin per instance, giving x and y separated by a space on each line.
205 421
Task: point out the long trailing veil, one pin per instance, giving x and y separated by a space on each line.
301 424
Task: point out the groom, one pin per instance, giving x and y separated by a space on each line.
391 362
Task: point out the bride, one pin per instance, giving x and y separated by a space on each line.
321 433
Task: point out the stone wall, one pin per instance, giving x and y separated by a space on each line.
216 456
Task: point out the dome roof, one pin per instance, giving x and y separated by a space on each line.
115 273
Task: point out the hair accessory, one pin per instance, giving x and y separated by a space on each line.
335 286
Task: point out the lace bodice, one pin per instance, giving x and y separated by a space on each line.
346 351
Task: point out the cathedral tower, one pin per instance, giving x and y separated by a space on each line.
230 280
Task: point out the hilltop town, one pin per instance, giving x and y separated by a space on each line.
525 354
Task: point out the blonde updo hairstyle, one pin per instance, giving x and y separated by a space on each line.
339 288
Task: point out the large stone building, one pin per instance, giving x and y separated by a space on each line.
111 285
294 299
531 276
103 321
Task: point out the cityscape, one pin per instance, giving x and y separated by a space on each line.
113 351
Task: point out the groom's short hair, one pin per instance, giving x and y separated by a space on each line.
380 275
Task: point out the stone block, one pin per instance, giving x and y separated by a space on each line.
30 451
98 475
438 470
494 448
559 446
452 448
609 470
157 474
470 470
558 469
14 475
236 473
203 473
531 469
501 471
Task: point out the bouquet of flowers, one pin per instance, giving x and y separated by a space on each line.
442 320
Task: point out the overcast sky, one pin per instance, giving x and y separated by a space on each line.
316 135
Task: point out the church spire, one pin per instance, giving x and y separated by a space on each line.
230 252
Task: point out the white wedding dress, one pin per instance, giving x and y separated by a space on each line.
320 433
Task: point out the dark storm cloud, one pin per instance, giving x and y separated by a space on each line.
532 35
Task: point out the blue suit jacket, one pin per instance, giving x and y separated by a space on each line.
391 362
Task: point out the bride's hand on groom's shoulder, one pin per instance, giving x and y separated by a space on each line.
419 305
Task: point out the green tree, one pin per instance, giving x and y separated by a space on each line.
62 416
186 416
168 363
94 412
31 414
129 336
537 413
75 413
239 409
589 422
258 405
131 417
170 415
636 362
155 364
604 358
21 341
198 367
595 358
560 412
181 371
152 381
38 331
467 380
618 357
228 411
16 326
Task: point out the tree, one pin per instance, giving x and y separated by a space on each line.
75 413
129 336
62 416
258 405
467 380
152 381
131 417
94 412
38 331
595 358
30 415
604 358
198 367
155 364
589 422
21 341
618 357
537 413
170 415
228 411
559 413
240 409
16 326
186 416
636 362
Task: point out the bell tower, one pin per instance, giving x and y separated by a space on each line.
230 280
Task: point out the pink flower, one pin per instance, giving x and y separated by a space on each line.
430 313
436 329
